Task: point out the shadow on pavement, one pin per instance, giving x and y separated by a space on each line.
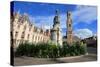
57 61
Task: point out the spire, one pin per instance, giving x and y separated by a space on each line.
69 14
57 12
56 18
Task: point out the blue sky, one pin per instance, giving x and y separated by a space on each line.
41 14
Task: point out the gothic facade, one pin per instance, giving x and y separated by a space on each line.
22 30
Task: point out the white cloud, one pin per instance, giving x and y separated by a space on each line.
47 27
43 21
84 14
48 20
83 33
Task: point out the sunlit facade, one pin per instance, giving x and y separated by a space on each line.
22 30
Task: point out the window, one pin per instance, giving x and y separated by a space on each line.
28 36
25 27
41 38
30 27
23 34
14 41
33 38
18 25
36 38
35 29
41 31
21 20
16 34
70 32
69 25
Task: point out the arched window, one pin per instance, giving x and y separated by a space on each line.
30 27
69 25
33 38
18 25
25 27
28 36
70 32
23 34
16 34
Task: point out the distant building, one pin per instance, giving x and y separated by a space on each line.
91 41
75 39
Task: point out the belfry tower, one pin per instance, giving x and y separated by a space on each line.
69 32
56 31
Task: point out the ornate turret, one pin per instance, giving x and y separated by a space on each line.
55 32
56 18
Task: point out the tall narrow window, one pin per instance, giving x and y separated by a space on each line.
28 36
16 34
25 27
18 25
23 34
33 38
69 25
70 32
19 20
36 38
30 27
22 20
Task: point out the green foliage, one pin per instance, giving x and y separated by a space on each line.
25 49
77 49
50 50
